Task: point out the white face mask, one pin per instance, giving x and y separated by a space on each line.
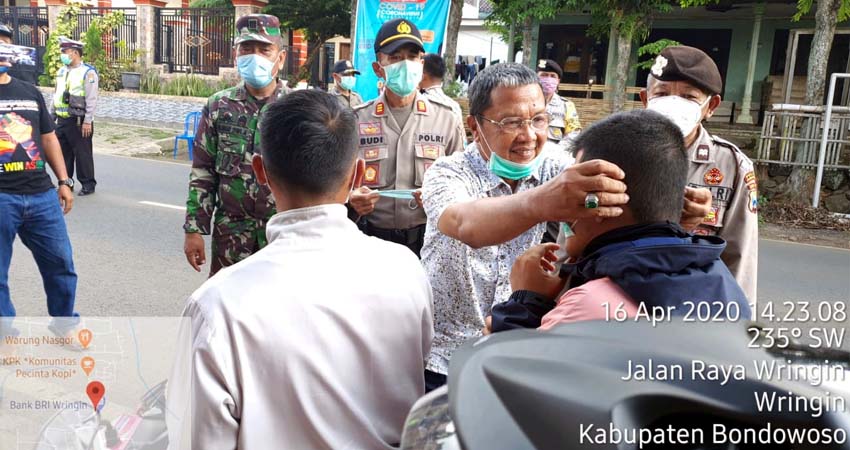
686 114
353 179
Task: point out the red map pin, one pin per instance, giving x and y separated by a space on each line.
95 391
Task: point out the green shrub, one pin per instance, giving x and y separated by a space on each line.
150 82
192 86
453 89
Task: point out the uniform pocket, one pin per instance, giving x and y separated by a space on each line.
375 175
230 156
426 154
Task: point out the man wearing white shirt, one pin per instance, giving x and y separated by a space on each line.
287 351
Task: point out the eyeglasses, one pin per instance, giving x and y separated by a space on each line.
512 124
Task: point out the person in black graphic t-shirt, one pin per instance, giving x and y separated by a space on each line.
29 205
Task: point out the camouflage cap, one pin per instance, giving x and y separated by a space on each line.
258 27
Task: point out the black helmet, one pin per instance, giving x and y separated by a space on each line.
524 389
5 30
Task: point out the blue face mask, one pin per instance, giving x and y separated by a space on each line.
66 60
509 169
4 69
255 70
401 194
403 77
347 83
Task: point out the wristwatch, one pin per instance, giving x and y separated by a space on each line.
67 182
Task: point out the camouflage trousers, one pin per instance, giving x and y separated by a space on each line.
238 241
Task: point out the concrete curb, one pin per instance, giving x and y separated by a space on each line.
171 98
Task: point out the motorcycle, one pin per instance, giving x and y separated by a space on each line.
524 389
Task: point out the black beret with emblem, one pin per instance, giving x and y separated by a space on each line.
395 33
547 65
683 63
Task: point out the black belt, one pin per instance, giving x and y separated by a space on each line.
399 236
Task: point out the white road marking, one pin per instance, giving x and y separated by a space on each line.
826 247
163 205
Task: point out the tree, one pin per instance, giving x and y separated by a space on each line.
214 4
629 21
93 50
828 14
508 12
320 21
452 31
626 21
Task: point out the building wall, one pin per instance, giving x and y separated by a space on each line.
739 52
477 41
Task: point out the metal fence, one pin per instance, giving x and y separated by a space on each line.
194 40
791 135
126 32
30 28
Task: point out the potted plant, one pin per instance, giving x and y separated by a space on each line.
131 77
128 65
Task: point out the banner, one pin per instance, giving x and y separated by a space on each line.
430 16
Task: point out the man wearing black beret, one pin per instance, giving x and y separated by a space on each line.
684 85
563 117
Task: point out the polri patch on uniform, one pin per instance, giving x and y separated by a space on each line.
370 128
711 217
703 153
91 78
379 108
713 176
557 133
420 106
370 176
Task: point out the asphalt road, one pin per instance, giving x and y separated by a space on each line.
129 255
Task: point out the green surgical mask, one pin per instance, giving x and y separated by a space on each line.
403 77
509 169
347 83
66 60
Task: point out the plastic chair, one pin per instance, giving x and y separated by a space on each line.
190 128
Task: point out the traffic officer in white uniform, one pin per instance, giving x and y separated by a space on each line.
74 103
563 117
684 85
401 133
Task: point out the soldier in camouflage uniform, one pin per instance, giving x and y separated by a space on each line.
224 195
